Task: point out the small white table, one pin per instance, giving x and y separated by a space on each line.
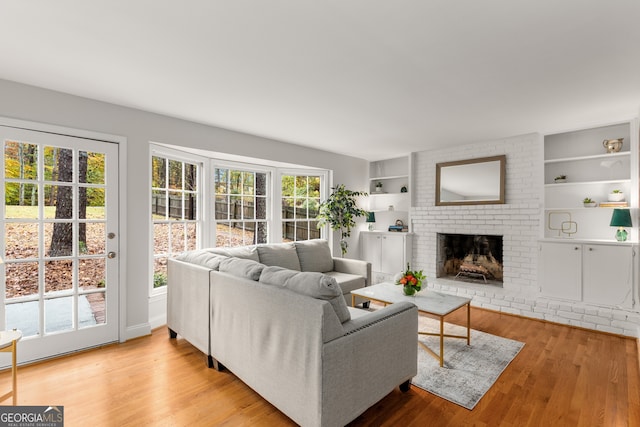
429 302
9 343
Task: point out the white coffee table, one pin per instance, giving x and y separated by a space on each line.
428 302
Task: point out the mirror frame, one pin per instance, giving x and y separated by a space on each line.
499 201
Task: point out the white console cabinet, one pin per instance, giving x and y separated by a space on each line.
388 252
594 273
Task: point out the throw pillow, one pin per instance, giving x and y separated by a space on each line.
281 255
202 257
312 284
314 255
246 268
244 252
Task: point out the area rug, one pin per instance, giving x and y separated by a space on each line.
469 371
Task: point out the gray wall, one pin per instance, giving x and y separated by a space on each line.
18 101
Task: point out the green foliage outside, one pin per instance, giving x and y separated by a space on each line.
159 280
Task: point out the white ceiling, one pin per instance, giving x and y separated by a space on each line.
369 78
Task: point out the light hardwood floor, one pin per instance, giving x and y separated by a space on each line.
562 377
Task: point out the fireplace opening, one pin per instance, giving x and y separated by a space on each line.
475 258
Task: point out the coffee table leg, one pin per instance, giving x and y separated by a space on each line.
468 323
441 341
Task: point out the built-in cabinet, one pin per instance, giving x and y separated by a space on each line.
580 260
390 191
388 252
595 273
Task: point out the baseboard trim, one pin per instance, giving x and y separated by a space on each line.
137 331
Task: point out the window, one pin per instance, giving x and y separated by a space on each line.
174 210
300 201
241 207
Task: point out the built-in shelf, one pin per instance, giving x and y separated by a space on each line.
590 172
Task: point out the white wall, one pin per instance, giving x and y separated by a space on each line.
29 103
519 221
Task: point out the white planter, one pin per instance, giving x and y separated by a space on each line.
616 197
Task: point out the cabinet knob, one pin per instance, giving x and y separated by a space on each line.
576 248
590 249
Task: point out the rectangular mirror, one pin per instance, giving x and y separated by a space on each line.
471 182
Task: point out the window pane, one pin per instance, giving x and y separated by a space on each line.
58 164
191 237
58 239
97 307
248 187
160 272
20 160
248 208
190 177
92 240
58 275
190 206
159 204
92 274
95 167
177 237
58 201
222 207
95 203
158 172
175 205
21 240
21 279
21 200
287 186
175 175
160 238
220 181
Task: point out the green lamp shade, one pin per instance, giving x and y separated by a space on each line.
371 217
621 218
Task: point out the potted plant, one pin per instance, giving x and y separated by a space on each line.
560 178
589 203
411 281
616 196
340 211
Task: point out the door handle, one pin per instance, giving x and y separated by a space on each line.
111 255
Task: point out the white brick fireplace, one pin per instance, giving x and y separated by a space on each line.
519 221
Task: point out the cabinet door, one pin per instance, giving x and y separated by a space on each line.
608 275
370 249
392 259
560 270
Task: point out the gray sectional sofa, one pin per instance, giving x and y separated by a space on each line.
289 334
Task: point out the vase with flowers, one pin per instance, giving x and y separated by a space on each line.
411 281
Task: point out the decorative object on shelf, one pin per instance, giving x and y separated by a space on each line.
612 145
378 187
390 208
403 189
614 204
340 211
621 218
567 227
616 196
371 219
560 178
589 203
411 281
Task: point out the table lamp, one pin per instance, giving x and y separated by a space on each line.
621 218
371 219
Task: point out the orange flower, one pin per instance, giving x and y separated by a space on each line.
403 281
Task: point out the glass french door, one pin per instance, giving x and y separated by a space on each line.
59 242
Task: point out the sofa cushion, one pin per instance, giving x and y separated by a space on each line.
347 282
312 284
239 267
244 252
202 257
281 255
314 255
